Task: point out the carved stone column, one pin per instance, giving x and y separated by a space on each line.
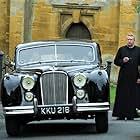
28 20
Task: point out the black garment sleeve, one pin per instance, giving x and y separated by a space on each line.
139 72
139 64
118 58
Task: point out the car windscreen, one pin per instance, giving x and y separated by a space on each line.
54 53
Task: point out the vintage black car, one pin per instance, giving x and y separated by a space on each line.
53 80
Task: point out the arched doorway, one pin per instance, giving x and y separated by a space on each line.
78 31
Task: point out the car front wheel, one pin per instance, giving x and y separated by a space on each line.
13 126
101 119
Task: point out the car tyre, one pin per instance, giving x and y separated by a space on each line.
101 119
13 126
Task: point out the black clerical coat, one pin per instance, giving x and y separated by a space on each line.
126 98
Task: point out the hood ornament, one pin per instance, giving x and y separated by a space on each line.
53 68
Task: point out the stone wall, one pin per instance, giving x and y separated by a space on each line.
108 21
109 25
4 26
16 24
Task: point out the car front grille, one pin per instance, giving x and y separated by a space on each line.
54 87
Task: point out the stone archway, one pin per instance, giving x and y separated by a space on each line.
78 31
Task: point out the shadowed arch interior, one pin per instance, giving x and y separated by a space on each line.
78 31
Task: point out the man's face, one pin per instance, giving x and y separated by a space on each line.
130 40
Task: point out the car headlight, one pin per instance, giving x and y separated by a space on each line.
28 82
79 80
80 94
28 96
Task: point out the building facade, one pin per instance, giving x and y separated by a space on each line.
105 21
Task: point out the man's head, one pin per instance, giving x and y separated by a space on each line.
130 40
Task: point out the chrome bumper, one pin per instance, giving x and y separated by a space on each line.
93 107
80 107
138 111
18 110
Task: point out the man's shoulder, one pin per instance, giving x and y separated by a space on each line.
137 46
122 47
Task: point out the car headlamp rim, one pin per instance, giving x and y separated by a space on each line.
28 82
80 80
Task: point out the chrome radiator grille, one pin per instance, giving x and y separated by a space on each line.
54 86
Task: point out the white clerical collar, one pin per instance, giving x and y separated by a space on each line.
130 46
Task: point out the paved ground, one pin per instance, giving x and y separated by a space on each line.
1 111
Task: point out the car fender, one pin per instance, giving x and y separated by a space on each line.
99 77
10 89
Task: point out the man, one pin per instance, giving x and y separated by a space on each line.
128 59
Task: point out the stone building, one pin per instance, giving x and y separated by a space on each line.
106 21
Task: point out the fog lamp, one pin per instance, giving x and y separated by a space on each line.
29 96
80 94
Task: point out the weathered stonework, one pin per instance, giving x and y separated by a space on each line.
108 21
108 25
4 26
16 24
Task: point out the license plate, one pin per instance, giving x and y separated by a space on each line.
55 110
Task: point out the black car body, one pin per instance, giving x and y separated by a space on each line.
61 79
